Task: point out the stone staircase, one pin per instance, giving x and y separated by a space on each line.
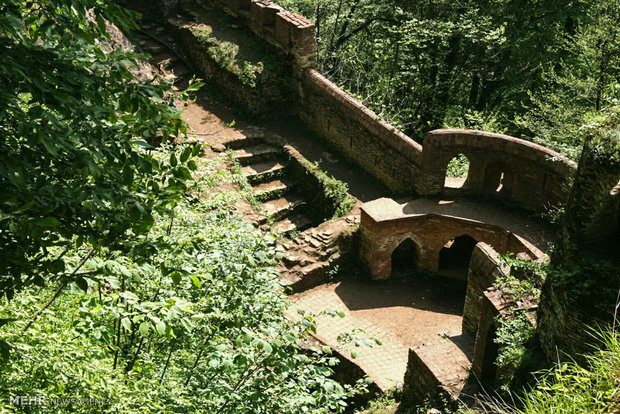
264 164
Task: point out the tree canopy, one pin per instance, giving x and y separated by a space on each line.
74 162
537 69
116 285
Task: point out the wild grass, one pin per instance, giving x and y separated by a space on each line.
571 388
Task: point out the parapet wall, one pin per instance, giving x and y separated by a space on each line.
357 132
484 268
530 175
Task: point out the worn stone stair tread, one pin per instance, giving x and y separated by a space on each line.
250 136
280 206
256 151
262 168
277 187
298 222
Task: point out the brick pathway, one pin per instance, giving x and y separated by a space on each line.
401 314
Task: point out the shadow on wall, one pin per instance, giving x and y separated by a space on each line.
405 260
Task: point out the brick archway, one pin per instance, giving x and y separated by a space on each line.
453 258
385 224
405 259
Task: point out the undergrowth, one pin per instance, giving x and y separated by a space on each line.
335 191
572 388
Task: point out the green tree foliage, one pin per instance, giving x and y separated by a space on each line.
199 327
74 164
518 66
156 305
583 87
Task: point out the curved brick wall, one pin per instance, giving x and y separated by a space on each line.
535 177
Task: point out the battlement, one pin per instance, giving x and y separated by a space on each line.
285 30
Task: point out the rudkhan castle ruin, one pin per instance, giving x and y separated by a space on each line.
413 257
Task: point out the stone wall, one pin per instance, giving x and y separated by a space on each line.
567 311
256 97
484 268
313 183
534 177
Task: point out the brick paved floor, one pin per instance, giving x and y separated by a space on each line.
401 314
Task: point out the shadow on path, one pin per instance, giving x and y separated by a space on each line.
435 295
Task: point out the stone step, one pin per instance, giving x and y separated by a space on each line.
281 207
295 222
248 139
263 171
272 189
256 153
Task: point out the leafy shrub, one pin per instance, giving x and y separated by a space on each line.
198 326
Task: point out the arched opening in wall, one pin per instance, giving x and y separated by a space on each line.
497 179
454 257
456 172
405 260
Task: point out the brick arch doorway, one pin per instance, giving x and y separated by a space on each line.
454 257
405 258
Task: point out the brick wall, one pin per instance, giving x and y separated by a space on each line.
288 31
256 99
358 133
420 383
383 227
534 176
484 268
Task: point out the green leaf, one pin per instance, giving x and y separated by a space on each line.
176 277
82 283
195 281
126 323
128 175
130 296
47 222
144 328
160 327
186 154
194 86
